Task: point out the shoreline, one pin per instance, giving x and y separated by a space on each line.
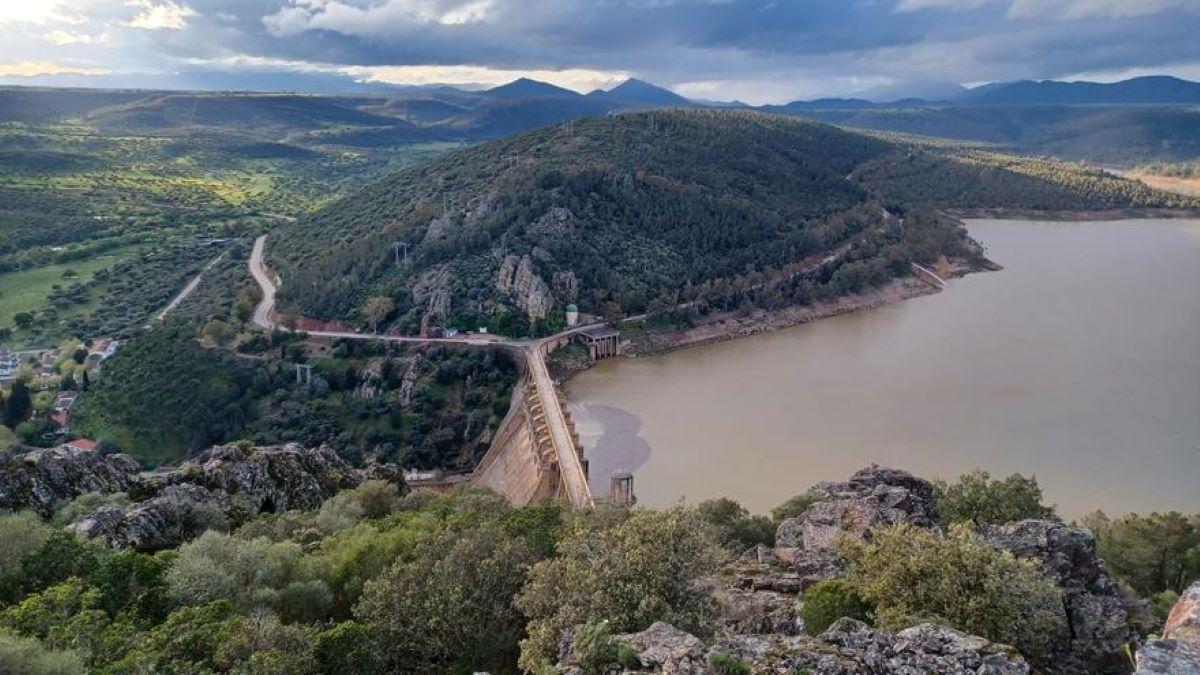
726 326
1070 216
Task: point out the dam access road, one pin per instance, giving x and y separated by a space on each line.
556 442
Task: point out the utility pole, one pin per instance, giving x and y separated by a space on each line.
397 246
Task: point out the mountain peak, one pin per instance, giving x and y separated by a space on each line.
526 88
638 91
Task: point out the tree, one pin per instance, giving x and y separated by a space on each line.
451 606
628 570
1153 553
218 332
979 500
23 319
376 309
737 530
910 574
17 404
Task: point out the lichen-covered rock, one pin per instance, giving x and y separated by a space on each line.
1094 606
1177 652
226 485
873 497
271 479
178 513
848 647
433 291
41 479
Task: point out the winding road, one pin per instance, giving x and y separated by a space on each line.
574 479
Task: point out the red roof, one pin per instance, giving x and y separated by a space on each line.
81 444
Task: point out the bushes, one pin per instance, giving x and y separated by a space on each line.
30 657
737 530
829 600
628 569
911 575
979 500
451 604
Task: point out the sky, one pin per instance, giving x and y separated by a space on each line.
757 51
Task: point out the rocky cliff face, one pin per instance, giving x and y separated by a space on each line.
223 486
41 479
531 294
1177 652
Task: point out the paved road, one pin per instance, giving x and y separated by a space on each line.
571 468
187 290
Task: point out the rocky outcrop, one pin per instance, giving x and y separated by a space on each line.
1093 603
41 479
433 291
566 287
556 223
848 647
176 514
531 294
1177 652
225 486
873 497
761 591
439 228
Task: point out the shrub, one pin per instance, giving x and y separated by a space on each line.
347 649
724 664
829 600
978 499
793 507
912 575
629 569
737 530
29 657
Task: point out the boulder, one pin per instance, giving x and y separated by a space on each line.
1177 652
1093 603
41 479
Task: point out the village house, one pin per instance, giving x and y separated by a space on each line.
80 445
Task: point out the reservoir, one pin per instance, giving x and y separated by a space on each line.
1078 363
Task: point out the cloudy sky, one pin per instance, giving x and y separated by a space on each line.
754 50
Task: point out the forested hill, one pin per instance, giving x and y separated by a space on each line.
637 212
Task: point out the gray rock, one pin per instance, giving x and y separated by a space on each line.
225 486
1177 652
1093 603
41 479
873 497
178 513
847 647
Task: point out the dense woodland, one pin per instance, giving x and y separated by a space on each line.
379 581
166 395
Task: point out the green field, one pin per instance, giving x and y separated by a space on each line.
26 290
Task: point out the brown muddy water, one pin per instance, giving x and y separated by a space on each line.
1078 363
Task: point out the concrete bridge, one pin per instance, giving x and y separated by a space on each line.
535 454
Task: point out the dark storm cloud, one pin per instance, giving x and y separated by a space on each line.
769 49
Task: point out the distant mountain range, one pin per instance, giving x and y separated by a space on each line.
1141 119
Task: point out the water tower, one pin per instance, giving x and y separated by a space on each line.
572 316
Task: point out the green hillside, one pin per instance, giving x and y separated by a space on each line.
633 212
